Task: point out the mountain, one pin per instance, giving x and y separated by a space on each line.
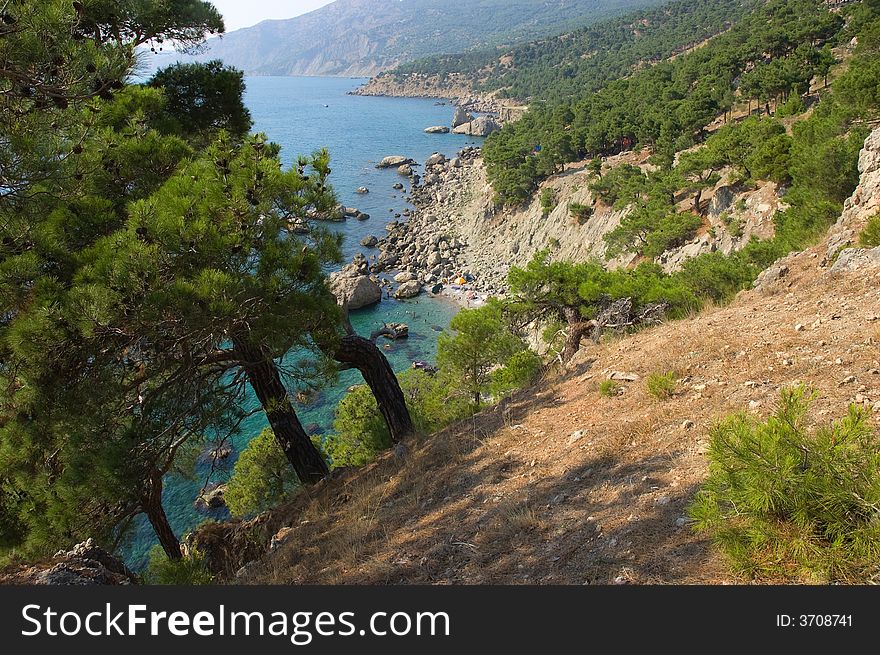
363 37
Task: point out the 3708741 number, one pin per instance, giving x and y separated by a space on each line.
825 620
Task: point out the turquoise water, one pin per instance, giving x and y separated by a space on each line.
302 115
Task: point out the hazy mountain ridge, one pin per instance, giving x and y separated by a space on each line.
363 37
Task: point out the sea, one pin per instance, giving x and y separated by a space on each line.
302 115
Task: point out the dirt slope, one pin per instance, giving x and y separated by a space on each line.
562 485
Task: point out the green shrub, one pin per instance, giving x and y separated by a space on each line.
360 430
262 477
870 236
189 571
580 212
548 200
522 370
609 388
662 386
791 107
786 502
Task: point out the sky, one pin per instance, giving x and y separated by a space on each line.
244 13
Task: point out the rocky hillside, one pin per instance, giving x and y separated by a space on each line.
363 37
565 485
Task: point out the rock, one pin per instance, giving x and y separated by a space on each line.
576 436
350 212
455 162
212 497
394 331
408 290
461 117
280 538
624 377
369 242
771 276
355 291
363 216
406 170
482 126
856 259
662 500
85 564
437 288
402 278
398 186
721 201
435 160
437 129
362 190
221 453
688 425
394 161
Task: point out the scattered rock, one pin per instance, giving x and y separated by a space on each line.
395 161
406 170
408 290
369 242
435 160
402 278
84 565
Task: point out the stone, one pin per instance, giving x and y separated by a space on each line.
212 498
86 564
394 161
576 436
398 186
856 259
688 425
435 160
402 278
461 117
408 290
406 170
363 216
624 377
369 242
437 129
280 538
362 190
355 291
482 127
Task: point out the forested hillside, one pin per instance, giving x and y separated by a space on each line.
362 37
581 61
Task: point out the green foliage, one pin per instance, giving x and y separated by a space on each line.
481 343
870 236
785 502
521 370
662 386
189 571
433 399
262 477
794 106
580 212
548 200
204 99
609 388
360 431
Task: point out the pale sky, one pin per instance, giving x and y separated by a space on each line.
244 13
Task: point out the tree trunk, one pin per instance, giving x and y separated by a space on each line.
698 199
366 357
577 330
151 503
265 379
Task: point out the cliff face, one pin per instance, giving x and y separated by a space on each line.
458 201
359 38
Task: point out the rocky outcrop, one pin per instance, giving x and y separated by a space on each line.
212 498
461 117
862 205
85 564
437 129
482 127
353 286
395 161
409 289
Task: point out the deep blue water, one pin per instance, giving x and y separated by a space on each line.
303 115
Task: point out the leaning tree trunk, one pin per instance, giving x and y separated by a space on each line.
151 503
577 330
365 356
265 379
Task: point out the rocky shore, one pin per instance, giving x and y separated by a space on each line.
423 254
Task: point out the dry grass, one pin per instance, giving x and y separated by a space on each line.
512 497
